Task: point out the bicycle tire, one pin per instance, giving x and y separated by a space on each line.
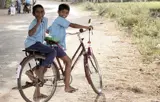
22 65
87 60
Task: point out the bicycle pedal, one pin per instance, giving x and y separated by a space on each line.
40 83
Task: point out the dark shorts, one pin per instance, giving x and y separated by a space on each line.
48 51
60 51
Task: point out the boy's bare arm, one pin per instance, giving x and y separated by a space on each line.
33 30
73 25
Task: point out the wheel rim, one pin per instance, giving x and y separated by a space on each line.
48 87
94 73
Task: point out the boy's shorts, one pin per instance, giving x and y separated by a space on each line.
60 51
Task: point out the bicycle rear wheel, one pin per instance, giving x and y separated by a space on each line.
27 88
92 73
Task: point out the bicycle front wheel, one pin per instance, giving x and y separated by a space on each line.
30 90
92 73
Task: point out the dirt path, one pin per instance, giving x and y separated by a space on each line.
125 78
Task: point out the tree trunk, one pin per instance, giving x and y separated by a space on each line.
2 3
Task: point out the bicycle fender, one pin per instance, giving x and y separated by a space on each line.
18 69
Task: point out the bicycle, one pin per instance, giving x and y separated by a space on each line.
33 58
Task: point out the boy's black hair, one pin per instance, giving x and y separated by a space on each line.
35 7
63 7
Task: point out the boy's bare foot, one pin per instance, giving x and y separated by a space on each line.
30 74
40 96
70 89
40 73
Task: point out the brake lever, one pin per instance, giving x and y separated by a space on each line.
91 30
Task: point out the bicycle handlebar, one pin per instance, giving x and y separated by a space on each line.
80 31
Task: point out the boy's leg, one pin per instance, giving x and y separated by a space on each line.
30 74
37 94
50 55
61 54
67 62
19 8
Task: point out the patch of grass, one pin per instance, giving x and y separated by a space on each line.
89 6
8 3
153 4
136 16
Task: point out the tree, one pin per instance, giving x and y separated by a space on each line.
5 3
2 3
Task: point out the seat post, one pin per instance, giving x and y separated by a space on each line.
26 53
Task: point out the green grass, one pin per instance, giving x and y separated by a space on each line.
136 16
8 3
153 4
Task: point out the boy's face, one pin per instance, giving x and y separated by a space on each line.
63 13
39 13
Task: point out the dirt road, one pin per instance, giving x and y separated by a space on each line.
125 78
